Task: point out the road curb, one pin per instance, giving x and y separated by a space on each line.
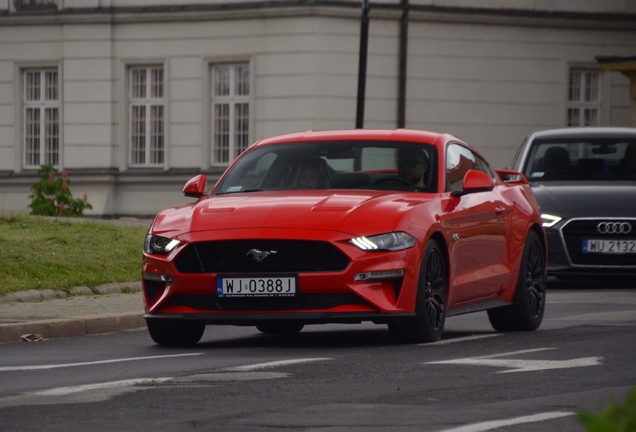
47 294
69 327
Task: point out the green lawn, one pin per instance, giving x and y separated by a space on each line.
47 253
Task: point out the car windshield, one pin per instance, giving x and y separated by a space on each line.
581 160
389 165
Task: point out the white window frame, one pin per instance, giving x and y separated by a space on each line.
584 97
229 111
41 117
146 132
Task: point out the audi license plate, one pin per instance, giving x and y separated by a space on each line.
609 246
266 286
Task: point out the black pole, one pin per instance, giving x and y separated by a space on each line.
404 37
362 67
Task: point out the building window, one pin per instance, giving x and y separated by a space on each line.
41 118
584 98
230 111
146 116
35 4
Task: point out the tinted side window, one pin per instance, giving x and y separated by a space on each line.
459 160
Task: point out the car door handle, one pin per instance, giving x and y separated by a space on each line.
499 210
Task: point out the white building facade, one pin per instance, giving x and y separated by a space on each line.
134 97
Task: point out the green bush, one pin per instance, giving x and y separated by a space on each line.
615 418
53 197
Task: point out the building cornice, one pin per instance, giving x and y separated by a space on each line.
113 175
326 8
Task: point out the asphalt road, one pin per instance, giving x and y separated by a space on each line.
333 378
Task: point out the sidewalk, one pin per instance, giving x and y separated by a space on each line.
118 307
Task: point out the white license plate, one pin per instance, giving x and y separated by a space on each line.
609 246
285 286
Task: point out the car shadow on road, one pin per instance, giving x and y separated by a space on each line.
314 337
590 284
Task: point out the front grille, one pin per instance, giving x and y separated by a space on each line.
577 230
248 256
300 302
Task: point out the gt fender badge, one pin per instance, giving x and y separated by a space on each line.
260 255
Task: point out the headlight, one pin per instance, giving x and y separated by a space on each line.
392 242
159 245
550 220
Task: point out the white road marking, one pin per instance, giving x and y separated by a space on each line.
523 365
274 364
55 366
211 377
515 353
461 339
63 391
490 425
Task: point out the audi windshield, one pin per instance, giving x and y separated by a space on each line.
576 159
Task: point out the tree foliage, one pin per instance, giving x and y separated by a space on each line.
615 418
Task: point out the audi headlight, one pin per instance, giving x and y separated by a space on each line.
550 220
394 241
159 245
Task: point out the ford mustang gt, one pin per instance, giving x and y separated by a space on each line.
585 182
395 227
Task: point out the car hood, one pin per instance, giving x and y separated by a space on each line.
587 199
351 212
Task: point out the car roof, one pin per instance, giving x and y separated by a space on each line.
585 132
359 134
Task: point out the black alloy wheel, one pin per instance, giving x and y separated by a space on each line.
430 302
528 305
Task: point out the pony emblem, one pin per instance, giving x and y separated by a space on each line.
259 255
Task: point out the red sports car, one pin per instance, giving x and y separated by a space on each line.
397 227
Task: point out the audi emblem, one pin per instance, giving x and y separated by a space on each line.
614 227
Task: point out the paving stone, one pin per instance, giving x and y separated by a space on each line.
48 294
111 288
28 295
131 286
82 290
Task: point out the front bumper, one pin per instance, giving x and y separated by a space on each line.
567 261
325 295
252 319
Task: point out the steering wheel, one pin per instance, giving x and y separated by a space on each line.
393 179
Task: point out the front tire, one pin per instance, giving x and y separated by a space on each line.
528 305
175 332
430 302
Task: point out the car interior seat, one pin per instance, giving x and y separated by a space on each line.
556 164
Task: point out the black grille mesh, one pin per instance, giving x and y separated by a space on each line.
576 231
240 256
